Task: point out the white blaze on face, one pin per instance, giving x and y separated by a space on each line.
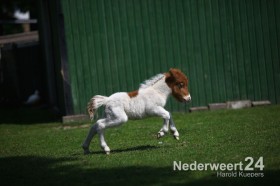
187 98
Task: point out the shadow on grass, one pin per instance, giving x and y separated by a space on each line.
28 115
138 148
32 170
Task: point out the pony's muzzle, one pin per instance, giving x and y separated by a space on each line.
187 98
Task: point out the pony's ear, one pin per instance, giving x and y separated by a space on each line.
178 75
170 77
173 71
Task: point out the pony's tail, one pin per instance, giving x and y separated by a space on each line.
94 103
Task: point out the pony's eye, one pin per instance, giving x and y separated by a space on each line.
180 85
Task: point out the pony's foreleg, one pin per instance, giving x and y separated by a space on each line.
164 128
166 117
173 128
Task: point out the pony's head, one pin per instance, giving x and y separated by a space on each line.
178 83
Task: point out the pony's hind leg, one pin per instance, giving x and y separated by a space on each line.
91 133
115 117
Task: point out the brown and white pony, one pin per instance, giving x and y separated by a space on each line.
149 100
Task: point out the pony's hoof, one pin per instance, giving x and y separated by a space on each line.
160 134
107 150
86 150
176 137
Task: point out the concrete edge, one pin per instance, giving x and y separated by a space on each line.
80 118
197 109
261 103
217 106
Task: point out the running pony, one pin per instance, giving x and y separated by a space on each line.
149 100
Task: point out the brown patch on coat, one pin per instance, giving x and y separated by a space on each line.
178 82
133 94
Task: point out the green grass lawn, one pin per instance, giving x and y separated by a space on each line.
50 153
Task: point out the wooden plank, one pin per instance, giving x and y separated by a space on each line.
79 118
197 109
19 21
260 103
217 106
25 37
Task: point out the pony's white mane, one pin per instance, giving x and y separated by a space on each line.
150 82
